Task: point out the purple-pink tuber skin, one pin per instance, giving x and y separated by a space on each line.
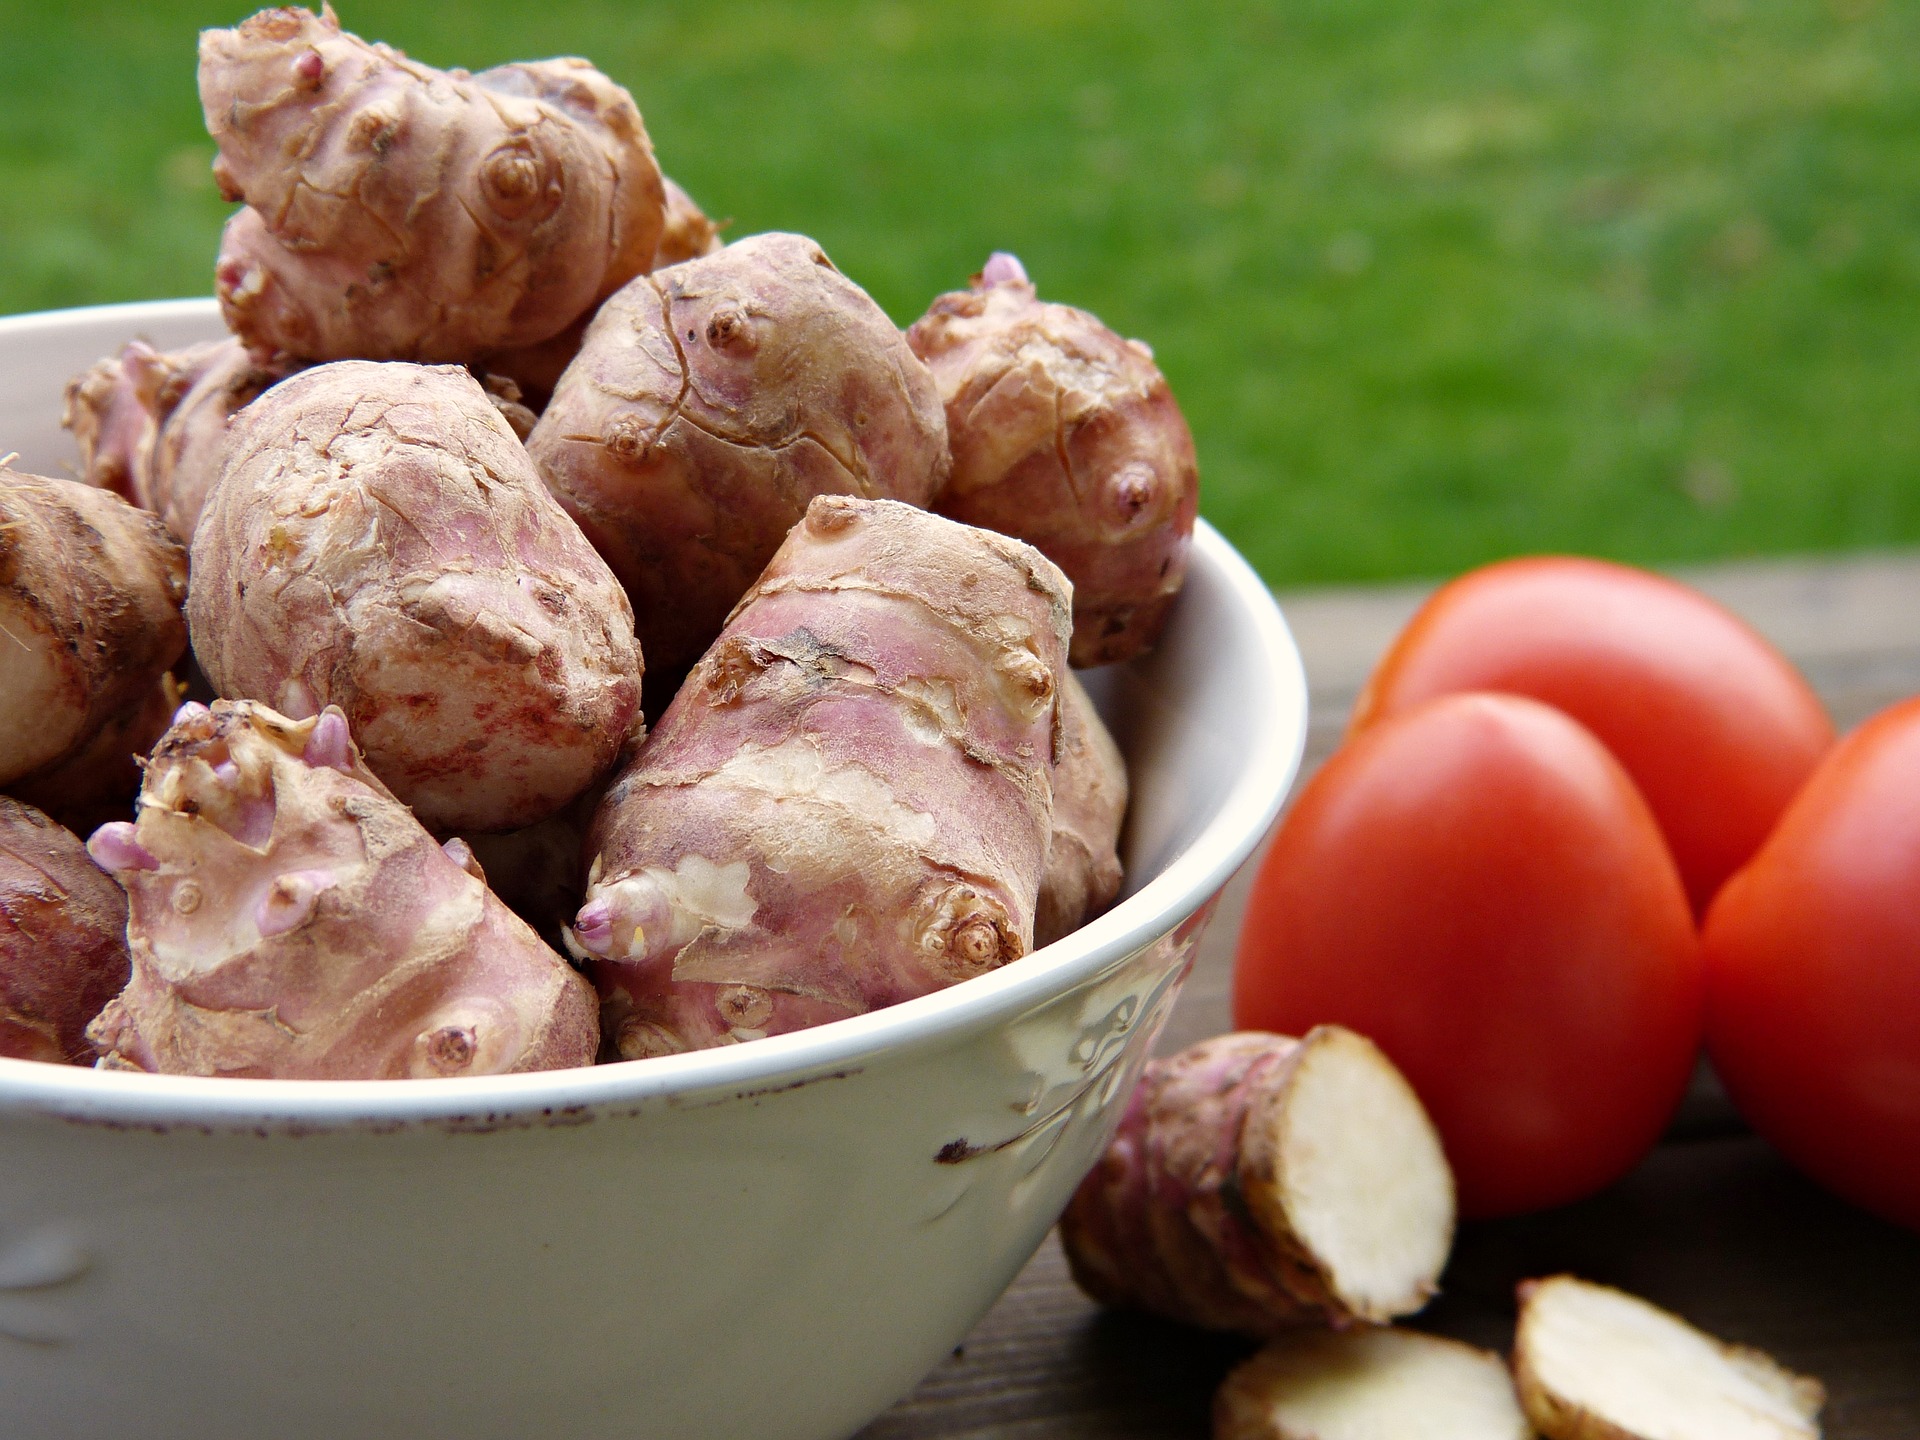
847 804
329 744
1002 266
593 927
114 849
710 401
380 541
289 920
63 939
1065 435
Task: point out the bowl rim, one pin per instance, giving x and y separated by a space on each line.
142 1101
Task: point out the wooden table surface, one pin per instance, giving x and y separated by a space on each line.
1712 1224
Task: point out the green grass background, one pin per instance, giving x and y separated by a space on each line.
1435 280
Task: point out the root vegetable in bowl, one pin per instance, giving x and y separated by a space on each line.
773 1239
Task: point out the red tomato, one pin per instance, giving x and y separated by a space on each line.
1714 725
1813 973
1478 886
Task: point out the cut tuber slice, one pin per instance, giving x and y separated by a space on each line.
1595 1363
1259 1182
1369 1384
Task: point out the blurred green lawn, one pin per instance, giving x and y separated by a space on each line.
1436 280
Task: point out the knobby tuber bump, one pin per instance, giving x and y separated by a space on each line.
1089 801
63 939
380 541
1258 1182
847 804
709 403
289 919
1595 1363
396 211
1065 435
1368 1384
116 408
90 616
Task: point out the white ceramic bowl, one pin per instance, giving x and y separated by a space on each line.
769 1240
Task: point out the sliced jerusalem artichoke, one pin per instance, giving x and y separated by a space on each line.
63 939
1595 1363
709 403
1065 435
380 541
1089 801
847 804
395 211
90 617
1258 1182
290 919
1368 1384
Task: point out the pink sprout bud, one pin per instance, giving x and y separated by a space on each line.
330 744
289 901
310 67
593 927
461 853
114 849
1002 267
227 773
188 711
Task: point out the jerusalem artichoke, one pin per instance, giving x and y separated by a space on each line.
115 410
380 541
1368 1384
152 426
1089 801
847 804
1066 436
90 611
1259 1182
1595 1363
63 939
395 211
191 445
289 919
710 402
